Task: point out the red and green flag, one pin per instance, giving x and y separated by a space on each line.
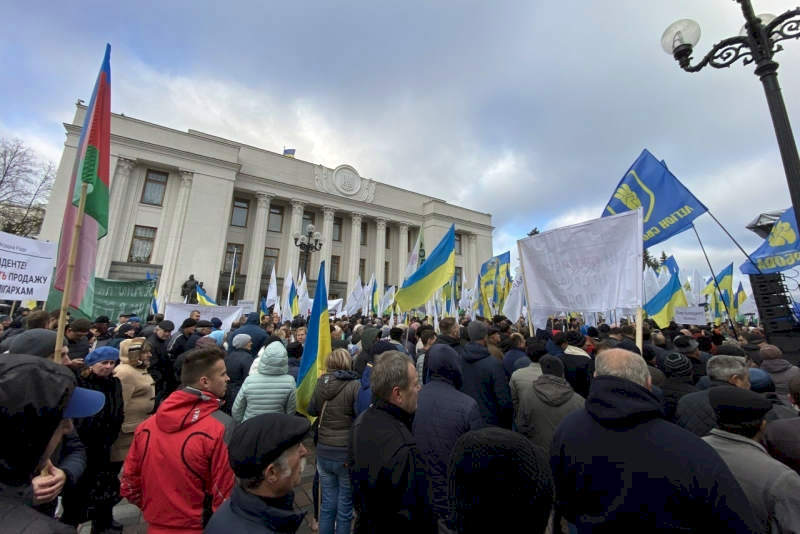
91 167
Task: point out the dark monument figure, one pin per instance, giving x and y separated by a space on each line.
189 290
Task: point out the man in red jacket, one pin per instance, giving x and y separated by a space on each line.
177 469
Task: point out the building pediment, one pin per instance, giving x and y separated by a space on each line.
344 181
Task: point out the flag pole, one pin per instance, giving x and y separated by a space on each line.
73 253
230 279
735 242
714 279
527 297
13 307
639 325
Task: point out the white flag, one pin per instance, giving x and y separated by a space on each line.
366 307
512 308
272 291
651 285
386 300
413 257
287 288
355 300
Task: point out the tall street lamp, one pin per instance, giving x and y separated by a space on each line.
756 43
308 243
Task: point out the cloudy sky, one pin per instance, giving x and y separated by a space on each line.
531 111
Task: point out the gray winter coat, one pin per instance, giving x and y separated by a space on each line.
772 488
271 390
542 407
781 372
522 380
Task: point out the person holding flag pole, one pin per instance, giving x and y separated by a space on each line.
79 235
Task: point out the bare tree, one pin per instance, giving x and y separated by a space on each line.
25 185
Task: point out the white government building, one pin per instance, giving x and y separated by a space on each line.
182 203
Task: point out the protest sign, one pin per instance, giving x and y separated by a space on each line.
113 297
248 305
565 270
691 315
26 266
178 311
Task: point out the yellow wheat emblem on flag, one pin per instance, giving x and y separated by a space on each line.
782 234
627 196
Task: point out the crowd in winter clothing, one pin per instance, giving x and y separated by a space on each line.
461 426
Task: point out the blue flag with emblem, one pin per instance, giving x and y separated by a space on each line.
779 251
668 208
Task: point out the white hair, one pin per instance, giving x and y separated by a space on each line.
622 364
723 367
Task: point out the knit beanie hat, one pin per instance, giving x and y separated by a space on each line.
102 354
552 365
761 381
368 337
482 457
676 364
241 340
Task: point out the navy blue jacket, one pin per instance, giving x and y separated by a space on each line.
618 466
246 513
253 329
237 363
484 379
510 360
443 415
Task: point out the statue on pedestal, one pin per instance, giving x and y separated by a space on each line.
189 290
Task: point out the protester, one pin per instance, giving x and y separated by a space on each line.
480 459
161 364
653 475
578 365
217 333
779 369
76 338
39 398
178 344
772 488
443 414
690 348
365 396
333 402
523 378
177 468
238 363
369 336
542 407
97 491
678 383
268 457
138 393
427 337
485 380
514 353
386 471
202 329
271 390
38 342
782 437
493 343
694 413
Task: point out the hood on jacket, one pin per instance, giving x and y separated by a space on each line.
184 408
253 318
368 337
617 402
274 360
444 364
330 384
775 366
474 352
447 340
130 351
552 390
576 351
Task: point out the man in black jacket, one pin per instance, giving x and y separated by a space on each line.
485 379
388 486
160 362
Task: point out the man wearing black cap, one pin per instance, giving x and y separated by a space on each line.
202 329
772 488
484 378
268 457
178 344
687 346
38 399
160 362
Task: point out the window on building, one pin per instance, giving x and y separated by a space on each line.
388 238
308 218
364 233
459 280
233 249
270 261
155 185
386 274
337 228
335 261
275 223
239 213
142 244
362 270
458 244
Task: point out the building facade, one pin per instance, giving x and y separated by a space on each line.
186 203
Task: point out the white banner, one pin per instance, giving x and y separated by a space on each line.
178 311
26 266
591 266
335 307
692 315
249 305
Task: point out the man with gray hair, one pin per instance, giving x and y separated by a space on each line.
619 466
694 412
389 492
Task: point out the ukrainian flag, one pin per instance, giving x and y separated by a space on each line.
502 285
437 269
375 298
725 283
738 300
262 308
318 345
488 277
154 302
202 297
661 308
294 301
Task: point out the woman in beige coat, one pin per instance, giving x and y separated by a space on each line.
138 391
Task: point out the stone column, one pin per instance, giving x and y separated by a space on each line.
292 252
380 253
474 265
327 242
402 254
255 259
355 252
119 185
169 283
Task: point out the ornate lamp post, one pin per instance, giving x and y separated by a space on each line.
308 243
756 43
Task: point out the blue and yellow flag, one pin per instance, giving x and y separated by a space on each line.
725 283
262 308
154 302
494 283
318 345
294 301
661 308
779 251
434 272
738 300
202 297
668 208
672 265
375 298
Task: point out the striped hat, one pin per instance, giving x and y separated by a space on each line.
676 364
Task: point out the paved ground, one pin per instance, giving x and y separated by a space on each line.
131 517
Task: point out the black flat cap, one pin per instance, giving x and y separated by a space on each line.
735 405
260 440
187 323
167 325
685 344
202 323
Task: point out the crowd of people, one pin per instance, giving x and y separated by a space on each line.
469 425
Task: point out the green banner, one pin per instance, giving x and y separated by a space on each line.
113 297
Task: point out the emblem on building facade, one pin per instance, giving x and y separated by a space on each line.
344 181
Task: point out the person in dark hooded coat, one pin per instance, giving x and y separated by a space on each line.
485 379
365 392
443 415
679 372
369 335
252 328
